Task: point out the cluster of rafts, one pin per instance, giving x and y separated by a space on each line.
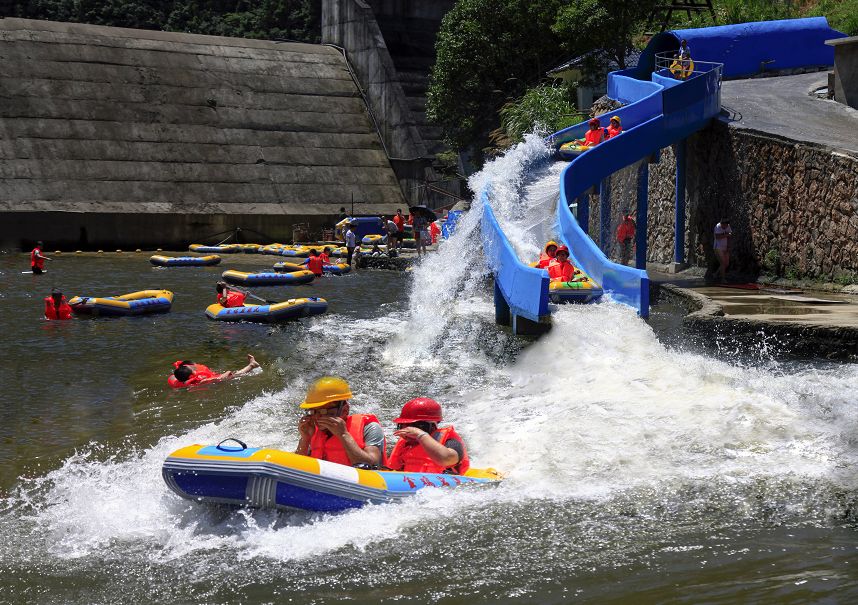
147 302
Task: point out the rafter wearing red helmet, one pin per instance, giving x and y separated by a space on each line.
422 446
560 268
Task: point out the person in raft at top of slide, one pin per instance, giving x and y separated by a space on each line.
547 255
315 263
37 259
228 297
614 128
56 306
188 373
560 268
422 446
329 432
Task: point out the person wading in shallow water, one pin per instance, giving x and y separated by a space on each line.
56 306
329 432
37 259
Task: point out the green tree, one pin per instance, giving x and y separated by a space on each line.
487 51
610 25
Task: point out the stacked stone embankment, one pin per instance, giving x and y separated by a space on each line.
793 205
124 136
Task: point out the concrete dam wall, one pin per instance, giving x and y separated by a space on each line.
117 136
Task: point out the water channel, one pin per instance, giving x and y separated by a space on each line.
639 468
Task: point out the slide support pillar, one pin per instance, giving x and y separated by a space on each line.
502 312
583 214
605 215
642 210
679 222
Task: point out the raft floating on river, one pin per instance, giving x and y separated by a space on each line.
268 278
184 261
268 478
143 302
224 249
295 308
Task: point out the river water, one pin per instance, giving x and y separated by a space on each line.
639 469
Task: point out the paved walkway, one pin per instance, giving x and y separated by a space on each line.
782 106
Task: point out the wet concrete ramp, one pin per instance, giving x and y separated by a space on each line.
133 136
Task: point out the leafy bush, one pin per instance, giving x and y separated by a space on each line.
544 108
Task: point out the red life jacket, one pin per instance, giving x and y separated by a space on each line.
52 312
325 446
612 132
315 264
625 231
35 258
400 222
561 271
434 232
326 260
594 137
201 373
544 260
410 457
233 298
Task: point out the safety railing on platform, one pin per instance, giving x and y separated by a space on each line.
684 68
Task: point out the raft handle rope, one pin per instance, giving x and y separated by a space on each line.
232 449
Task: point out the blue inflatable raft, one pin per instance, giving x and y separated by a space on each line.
268 478
184 261
268 278
143 302
295 308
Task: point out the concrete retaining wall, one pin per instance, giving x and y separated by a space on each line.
103 125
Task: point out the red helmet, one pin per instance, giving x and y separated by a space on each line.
421 409
593 122
562 249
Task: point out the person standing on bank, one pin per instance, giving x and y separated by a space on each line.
723 235
625 237
349 238
37 259
419 226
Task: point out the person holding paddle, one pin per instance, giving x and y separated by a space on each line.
229 297
37 259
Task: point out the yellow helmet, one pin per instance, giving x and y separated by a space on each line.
325 390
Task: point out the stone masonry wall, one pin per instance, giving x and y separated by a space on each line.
793 206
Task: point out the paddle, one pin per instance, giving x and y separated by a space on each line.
252 295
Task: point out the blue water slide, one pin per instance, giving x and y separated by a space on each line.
659 110
524 288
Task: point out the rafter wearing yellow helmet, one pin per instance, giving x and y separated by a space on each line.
325 390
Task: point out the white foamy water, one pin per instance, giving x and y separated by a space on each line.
595 416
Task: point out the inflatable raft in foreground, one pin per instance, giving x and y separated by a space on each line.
581 289
135 303
294 308
268 278
267 478
184 261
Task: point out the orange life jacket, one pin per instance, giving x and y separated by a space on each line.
612 132
561 271
434 232
594 137
400 222
409 456
233 298
35 258
200 373
326 446
315 264
52 312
